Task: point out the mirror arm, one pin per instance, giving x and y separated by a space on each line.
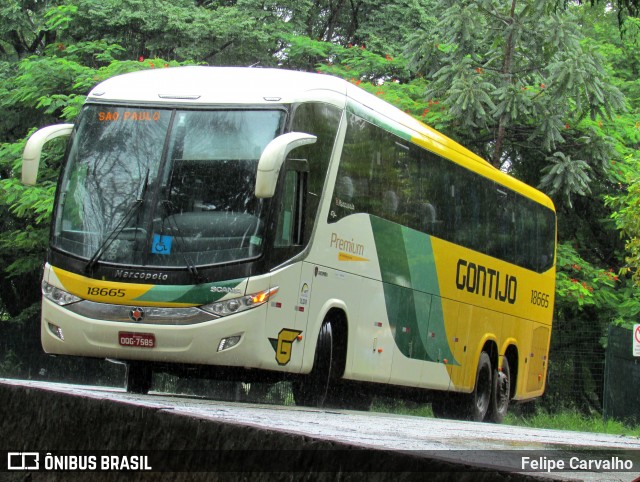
273 157
33 150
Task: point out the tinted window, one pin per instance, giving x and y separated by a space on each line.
385 175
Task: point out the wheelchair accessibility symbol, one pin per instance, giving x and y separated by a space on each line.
161 244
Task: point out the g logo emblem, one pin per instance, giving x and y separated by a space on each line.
284 347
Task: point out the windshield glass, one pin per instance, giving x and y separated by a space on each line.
164 188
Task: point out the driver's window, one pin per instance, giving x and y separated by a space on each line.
286 217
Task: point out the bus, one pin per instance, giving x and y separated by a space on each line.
263 224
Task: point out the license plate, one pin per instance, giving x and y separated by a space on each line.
137 340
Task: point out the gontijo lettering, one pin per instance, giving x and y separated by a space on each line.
485 281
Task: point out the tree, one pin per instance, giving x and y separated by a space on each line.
518 79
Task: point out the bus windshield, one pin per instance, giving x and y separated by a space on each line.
164 187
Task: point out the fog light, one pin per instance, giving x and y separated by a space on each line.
228 342
56 330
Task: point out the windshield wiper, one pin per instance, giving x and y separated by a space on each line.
191 266
104 246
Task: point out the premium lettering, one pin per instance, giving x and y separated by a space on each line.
485 281
346 245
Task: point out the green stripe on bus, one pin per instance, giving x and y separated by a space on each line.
392 127
193 294
411 291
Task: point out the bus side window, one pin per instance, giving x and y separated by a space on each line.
291 213
321 120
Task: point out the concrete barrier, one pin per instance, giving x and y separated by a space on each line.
36 419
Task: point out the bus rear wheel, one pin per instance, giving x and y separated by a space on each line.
473 406
500 393
312 390
481 397
139 378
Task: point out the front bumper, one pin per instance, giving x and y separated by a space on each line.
195 342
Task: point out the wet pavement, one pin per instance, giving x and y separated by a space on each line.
475 443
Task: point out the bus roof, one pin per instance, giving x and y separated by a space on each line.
200 85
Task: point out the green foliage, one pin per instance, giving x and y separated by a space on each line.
566 176
570 420
563 420
521 77
580 283
626 215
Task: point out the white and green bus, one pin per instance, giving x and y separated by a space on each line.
263 224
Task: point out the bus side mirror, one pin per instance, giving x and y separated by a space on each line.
273 157
33 150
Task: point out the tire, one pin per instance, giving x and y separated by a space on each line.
480 399
473 406
139 378
500 393
313 389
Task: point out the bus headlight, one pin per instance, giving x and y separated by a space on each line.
58 296
236 305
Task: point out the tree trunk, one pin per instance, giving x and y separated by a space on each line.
508 79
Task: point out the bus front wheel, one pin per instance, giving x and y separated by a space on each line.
312 390
139 378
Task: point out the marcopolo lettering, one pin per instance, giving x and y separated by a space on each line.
141 275
485 281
